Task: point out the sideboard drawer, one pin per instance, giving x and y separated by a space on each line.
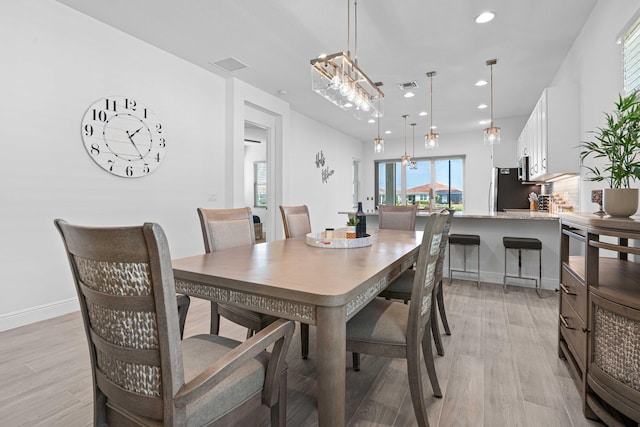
574 292
573 330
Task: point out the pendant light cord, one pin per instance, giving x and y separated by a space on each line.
491 99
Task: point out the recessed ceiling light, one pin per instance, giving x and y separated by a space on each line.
434 127
409 95
371 121
348 105
423 113
484 122
387 132
481 83
482 106
485 17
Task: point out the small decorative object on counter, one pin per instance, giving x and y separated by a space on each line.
351 227
596 197
543 203
328 233
533 201
361 227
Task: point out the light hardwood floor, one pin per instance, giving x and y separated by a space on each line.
500 369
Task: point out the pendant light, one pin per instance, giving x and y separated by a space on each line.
378 143
413 164
405 159
431 138
492 133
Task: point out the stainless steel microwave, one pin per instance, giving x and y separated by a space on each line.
523 169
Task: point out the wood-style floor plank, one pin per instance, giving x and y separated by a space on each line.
500 368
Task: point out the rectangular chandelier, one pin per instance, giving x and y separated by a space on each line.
337 78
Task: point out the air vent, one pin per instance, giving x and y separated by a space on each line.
408 85
230 64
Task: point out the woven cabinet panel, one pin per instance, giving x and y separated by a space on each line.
134 377
616 346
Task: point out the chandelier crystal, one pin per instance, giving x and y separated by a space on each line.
492 133
338 78
431 138
405 158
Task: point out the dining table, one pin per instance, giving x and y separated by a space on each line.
295 280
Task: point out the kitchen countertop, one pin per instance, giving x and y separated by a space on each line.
513 215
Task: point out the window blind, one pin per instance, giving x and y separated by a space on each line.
631 58
260 184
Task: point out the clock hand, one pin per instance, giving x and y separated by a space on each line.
130 136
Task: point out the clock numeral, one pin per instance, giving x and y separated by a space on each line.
88 130
157 157
95 149
144 113
111 163
146 169
129 170
110 104
99 115
162 143
130 104
158 128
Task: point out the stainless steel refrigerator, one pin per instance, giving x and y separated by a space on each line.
508 192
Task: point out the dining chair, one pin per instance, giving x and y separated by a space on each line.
297 223
401 289
393 329
397 217
142 373
225 229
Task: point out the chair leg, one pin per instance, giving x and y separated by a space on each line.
304 339
435 330
443 313
183 307
279 410
215 318
356 361
415 384
431 368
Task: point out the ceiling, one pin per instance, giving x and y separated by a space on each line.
398 42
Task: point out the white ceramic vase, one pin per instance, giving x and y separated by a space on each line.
621 202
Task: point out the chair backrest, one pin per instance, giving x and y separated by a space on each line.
397 217
443 246
125 287
226 228
295 220
425 276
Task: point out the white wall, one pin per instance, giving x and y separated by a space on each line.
56 62
478 160
595 63
324 200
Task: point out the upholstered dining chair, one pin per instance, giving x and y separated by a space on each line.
297 223
393 329
142 373
224 229
401 289
397 217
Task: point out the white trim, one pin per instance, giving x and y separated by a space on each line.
37 314
628 25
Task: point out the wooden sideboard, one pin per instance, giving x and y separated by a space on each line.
599 323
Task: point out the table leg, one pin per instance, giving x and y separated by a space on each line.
331 348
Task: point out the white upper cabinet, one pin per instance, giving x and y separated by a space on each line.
551 135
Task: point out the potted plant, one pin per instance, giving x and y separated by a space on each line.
619 143
351 227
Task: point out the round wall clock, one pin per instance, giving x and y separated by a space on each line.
123 136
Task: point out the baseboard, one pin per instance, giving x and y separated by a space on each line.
37 314
488 277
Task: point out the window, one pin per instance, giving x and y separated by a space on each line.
260 184
437 182
631 58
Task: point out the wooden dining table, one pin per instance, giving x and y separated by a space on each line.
318 286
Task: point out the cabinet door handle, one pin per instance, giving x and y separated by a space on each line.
585 330
564 322
566 290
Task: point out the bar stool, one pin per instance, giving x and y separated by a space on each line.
527 244
464 240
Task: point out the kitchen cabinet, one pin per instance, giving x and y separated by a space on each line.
599 320
552 133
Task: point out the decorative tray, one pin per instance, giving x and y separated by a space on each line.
337 240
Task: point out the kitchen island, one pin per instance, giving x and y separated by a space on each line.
492 228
